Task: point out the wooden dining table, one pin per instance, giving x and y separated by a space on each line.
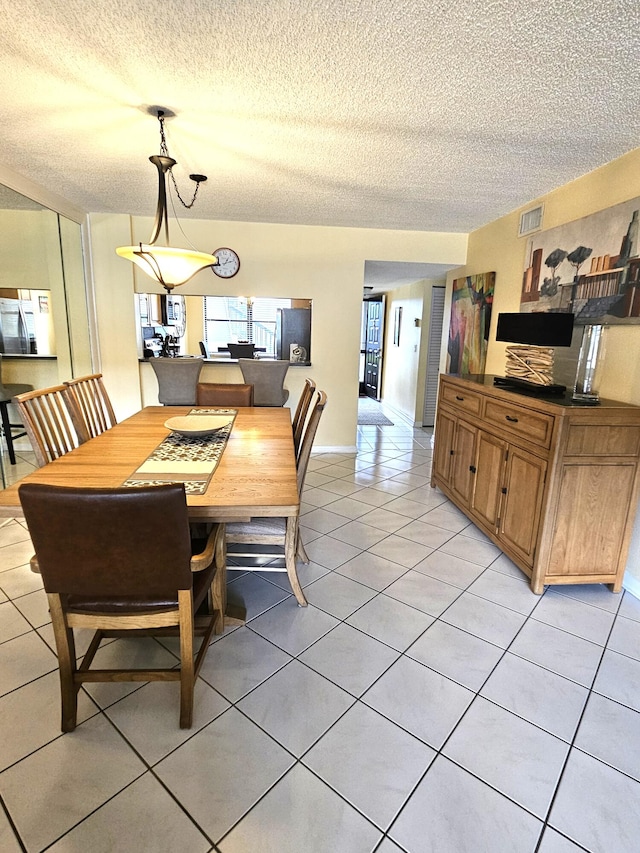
255 477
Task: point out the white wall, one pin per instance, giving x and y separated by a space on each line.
323 264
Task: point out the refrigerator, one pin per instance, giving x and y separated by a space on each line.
293 335
17 327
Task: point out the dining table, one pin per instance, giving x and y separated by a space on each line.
255 475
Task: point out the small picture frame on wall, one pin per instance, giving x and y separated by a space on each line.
397 322
43 304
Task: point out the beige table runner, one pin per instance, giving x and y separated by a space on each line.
185 459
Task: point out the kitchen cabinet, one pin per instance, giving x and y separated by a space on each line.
553 484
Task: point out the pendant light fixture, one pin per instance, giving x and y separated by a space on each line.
170 267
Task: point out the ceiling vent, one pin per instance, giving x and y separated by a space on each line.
531 220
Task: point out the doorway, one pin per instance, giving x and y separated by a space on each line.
372 338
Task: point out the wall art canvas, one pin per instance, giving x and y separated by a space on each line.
471 303
589 267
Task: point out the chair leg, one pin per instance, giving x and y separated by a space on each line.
300 551
290 540
219 585
6 429
187 677
65 647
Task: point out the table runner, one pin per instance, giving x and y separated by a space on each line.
185 459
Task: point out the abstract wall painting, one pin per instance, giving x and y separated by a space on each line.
589 267
471 303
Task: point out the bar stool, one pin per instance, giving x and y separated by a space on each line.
7 393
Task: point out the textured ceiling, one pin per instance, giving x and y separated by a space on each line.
412 114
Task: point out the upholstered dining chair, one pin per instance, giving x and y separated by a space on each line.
275 532
7 395
136 574
267 378
224 394
302 410
48 423
89 406
177 379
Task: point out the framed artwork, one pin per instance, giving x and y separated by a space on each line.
397 322
471 303
589 267
43 304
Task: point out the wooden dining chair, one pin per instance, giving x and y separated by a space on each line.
267 377
118 561
48 423
302 410
280 533
89 406
224 394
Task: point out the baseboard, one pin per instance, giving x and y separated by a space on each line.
631 584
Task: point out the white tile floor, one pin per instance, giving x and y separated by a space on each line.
426 700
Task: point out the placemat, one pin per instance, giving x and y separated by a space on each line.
185 459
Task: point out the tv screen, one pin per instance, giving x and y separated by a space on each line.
541 328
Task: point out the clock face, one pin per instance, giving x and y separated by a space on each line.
228 263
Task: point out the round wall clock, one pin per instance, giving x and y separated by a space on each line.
228 263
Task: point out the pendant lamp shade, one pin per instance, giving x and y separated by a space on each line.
169 266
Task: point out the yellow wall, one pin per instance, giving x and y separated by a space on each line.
323 264
497 247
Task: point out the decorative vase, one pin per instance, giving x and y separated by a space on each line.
590 360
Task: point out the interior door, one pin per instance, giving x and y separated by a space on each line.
374 337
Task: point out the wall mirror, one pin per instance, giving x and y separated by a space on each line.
176 325
43 300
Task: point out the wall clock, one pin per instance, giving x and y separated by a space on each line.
228 263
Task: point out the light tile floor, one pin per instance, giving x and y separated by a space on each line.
426 700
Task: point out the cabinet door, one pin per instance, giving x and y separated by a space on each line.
523 491
462 461
443 450
490 457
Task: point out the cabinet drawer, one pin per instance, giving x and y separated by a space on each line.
536 427
460 398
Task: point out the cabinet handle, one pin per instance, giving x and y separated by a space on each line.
511 420
472 468
504 490
458 397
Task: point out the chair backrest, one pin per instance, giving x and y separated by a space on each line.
48 423
203 349
241 350
110 542
302 409
308 437
89 406
267 378
177 379
224 394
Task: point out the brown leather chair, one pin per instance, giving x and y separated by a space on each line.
118 560
224 394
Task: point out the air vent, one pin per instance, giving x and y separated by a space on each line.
530 221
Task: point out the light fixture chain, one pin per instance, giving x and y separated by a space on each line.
164 150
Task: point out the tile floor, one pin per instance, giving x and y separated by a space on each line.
426 700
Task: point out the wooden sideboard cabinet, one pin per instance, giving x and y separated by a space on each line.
553 484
